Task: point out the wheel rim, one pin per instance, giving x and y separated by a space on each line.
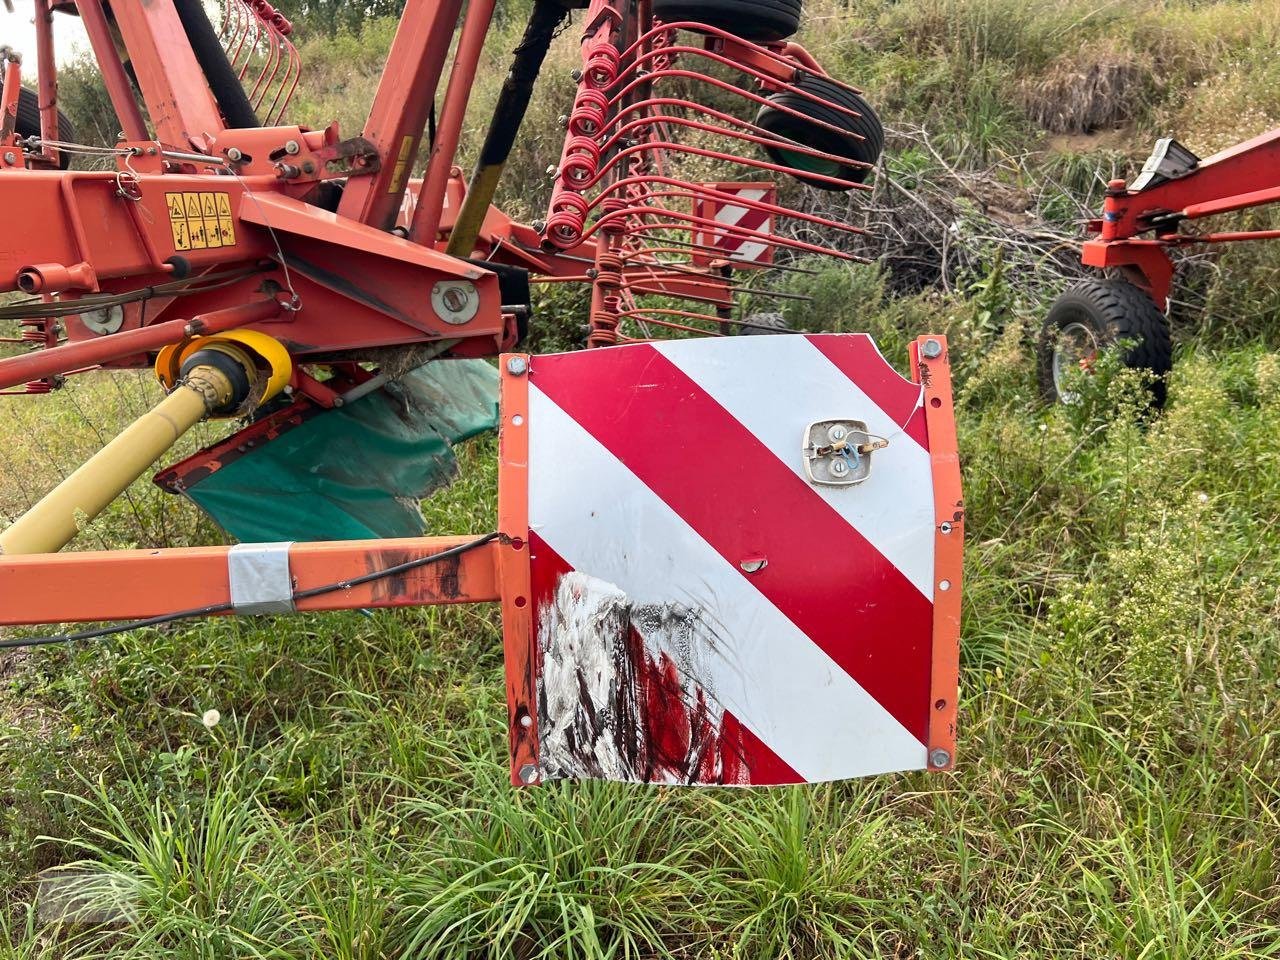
1076 349
809 164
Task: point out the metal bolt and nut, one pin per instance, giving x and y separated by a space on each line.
931 349
234 154
516 366
10 157
292 147
939 757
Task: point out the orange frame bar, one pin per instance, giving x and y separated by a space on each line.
134 584
519 655
931 368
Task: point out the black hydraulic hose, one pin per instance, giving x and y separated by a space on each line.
513 101
223 82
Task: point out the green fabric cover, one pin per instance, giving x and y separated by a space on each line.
356 472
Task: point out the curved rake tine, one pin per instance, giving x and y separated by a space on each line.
292 72
704 29
270 66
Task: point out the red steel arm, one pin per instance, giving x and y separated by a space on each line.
133 584
399 111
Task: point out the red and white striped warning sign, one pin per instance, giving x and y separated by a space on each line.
743 236
703 611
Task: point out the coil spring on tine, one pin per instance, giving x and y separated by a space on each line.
567 219
601 66
588 114
581 163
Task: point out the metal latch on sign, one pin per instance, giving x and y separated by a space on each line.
838 452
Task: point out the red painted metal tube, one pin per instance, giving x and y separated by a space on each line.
128 584
87 353
426 215
113 75
47 69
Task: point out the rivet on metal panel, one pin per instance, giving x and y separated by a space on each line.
931 349
944 585
944 527
937 758
517 366
754 564
529 772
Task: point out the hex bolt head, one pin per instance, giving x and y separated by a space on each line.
292 147
528 774
516 366
234 154
931 349
939 758
10 157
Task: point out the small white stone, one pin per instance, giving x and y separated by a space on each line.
211 718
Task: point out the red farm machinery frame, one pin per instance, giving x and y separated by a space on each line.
268 271
1141 224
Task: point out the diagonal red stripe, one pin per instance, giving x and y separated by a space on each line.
859 360
746 503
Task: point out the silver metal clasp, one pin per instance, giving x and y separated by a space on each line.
838 452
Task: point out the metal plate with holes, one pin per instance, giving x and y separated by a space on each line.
721 590
838 452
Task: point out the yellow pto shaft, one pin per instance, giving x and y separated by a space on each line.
59 516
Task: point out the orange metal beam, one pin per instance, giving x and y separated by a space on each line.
133 584
931 367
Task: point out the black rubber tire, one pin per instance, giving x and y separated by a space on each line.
759 21
28 122
763 324
1114 310
862 143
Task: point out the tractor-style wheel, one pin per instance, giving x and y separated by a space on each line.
1089 317
28 122
857 139
758 324
759 21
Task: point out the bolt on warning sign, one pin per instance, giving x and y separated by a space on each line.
201 221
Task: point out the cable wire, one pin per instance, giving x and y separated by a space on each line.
228 607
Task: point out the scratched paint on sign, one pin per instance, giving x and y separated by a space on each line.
618 696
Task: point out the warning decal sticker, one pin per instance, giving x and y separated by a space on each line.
201 221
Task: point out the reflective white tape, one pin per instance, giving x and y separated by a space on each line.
260 579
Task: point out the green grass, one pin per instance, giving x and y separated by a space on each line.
1117 792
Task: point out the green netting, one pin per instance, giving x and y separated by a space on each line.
358 471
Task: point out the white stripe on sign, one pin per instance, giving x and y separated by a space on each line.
760 221
730 213
893 508
770 675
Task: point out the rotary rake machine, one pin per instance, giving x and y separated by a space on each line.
702 578
1142 223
